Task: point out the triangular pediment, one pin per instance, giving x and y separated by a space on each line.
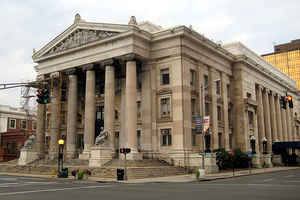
77 35
80 37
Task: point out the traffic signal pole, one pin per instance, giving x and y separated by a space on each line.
125 174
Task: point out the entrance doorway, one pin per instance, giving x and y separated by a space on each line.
99 120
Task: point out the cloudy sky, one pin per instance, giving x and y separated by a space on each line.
28 24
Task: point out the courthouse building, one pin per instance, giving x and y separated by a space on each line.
146 85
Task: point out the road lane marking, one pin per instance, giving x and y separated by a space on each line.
250 184
24 184
53 190
266 180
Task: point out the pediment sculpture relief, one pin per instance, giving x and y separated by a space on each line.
81 37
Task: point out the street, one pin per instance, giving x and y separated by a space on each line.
283 185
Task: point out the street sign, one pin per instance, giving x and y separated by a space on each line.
206 124
199 126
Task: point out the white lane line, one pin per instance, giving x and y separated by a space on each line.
293 181
24 184
52 190
266 180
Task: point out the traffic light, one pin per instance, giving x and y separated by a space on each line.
283 102
43 96
125 150
290 100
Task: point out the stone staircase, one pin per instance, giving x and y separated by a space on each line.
135 169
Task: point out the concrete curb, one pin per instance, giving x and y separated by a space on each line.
172 179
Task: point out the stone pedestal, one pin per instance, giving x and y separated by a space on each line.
266 160
192 160
27 156
85 155
100 156
210 163
256 161
277 161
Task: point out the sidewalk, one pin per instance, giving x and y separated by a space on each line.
169 179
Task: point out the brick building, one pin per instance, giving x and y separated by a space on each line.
15 127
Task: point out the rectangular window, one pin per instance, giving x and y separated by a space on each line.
205 81
228 90
218 87
23 124
193 137
139 110
166 137
219 113
220 140
192 77
250 118
193 107
206 109
12 123
165 107
165 77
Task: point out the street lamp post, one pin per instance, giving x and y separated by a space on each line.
252 143
264 145
61 143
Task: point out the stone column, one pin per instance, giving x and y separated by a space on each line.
201 102
279 120
225 112
109 100
40 131
268 133
146 110
54 131
284 126
260 117
213 110
131 108
288 122
273 118
72 114
90 112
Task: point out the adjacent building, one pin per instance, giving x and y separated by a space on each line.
286 57
16 125
146 85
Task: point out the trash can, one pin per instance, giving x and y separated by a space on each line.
64 172
120 174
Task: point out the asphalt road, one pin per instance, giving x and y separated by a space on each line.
283 185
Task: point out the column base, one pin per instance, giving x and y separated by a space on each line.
100 156
71 155
85 155
256 160
266 160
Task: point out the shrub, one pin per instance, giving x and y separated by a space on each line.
225 160
241 159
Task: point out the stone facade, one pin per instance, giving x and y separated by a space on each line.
150 83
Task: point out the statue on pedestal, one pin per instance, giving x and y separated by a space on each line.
102 138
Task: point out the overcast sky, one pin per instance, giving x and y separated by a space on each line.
28 24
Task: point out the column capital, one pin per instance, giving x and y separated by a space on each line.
130 57
88 67
108 62
72 71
